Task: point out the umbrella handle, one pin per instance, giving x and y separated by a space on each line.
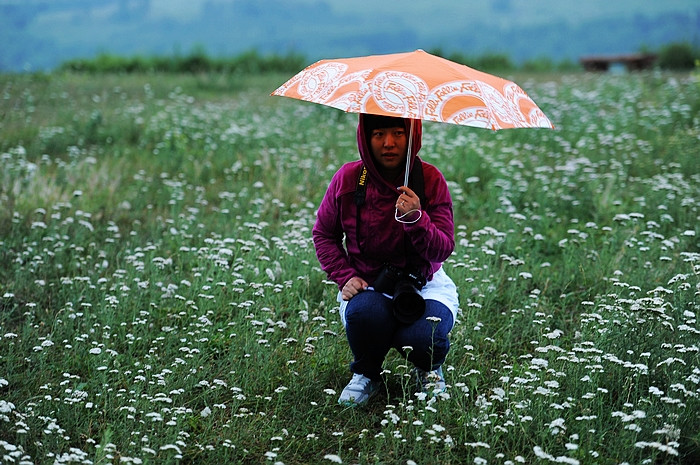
408 155
397 217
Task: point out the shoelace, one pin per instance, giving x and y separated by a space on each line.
360 380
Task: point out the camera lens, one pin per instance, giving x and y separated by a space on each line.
408 303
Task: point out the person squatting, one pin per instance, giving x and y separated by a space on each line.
384 247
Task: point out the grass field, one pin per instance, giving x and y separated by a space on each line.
160 299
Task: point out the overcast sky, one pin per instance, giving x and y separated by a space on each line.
186 9
179 9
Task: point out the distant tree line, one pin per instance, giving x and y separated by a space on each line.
674 56
195 62
677 56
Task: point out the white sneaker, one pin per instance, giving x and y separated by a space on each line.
431 382
359 390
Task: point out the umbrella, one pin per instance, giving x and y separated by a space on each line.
416 85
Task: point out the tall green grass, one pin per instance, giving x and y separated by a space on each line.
160 300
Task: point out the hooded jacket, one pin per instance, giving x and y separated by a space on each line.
424 244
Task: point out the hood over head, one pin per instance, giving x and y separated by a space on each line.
368 122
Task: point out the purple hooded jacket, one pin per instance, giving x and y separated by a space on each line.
425 244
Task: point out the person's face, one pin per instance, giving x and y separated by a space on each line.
389 148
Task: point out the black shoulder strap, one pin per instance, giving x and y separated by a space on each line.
360 194
417 182
361 190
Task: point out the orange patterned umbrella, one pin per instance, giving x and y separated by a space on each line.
416 85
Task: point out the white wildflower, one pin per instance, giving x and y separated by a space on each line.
669 449
171 447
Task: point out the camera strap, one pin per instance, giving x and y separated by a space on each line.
416 181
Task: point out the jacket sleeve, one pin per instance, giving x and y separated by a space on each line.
328 236
433 234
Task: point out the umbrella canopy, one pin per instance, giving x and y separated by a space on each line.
416 85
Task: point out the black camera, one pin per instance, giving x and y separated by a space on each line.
404 286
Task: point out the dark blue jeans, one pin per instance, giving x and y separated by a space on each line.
373 330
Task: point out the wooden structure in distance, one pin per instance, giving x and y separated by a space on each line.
632 62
